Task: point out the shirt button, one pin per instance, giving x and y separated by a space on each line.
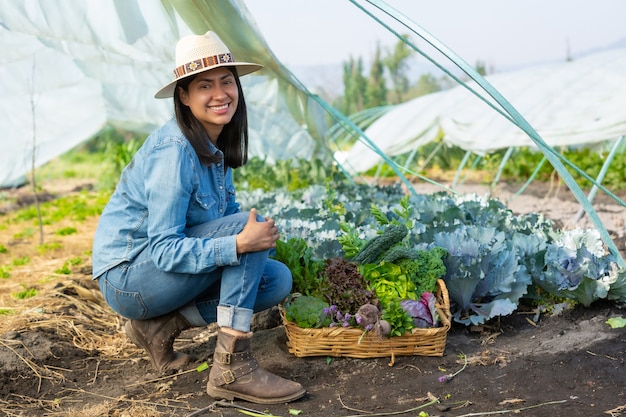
221 188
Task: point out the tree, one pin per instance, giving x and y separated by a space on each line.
481 68
426 84
355 86
376 89
396 63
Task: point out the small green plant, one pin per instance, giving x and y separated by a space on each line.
28 232
305 267
66 231
25 293
398 318
65 269
5 311
117 155
49 246
3 249
5 271
21 261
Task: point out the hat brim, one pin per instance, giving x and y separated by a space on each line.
243 68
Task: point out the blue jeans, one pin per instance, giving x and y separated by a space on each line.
229 295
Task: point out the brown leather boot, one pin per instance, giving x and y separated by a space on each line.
157 337
236 374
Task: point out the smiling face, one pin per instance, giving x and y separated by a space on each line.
212 97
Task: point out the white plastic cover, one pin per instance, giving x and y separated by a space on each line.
69 68
574 103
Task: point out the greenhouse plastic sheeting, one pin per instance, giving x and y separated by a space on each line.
580 102
71 68
68 71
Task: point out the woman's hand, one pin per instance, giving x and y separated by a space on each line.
257 236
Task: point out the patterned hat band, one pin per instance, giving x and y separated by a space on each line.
202 63
198 53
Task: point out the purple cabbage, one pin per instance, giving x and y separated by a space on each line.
423 311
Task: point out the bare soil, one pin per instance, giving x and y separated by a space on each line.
64 353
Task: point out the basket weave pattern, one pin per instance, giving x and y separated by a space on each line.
344 341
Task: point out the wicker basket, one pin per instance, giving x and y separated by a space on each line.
344 341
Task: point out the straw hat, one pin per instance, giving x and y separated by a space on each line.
198 53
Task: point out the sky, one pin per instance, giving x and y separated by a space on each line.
501 34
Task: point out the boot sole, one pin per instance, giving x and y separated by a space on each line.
223 394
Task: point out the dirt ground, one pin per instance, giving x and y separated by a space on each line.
63 353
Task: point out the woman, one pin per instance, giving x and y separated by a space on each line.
173 251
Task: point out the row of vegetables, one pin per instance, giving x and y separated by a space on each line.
353 245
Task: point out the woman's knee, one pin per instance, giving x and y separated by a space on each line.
224 226
276 280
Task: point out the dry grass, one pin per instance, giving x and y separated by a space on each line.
67 305
75 312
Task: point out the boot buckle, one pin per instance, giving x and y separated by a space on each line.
228 377
224 357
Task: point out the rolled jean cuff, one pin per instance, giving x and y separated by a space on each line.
237 318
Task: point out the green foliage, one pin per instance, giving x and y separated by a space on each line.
433 159
354 86
616 322
305 269
117 156
425 268
5 271
76 207
293 175
426 84
430 157
331 203
66 231
21 261
65 269
27 292
398 319
362 93
28 232
389 282
6 311
94 159
525 161
376 89
350 242
396 63
3 249
307 312
49 246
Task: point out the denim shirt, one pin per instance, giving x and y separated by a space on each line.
163 191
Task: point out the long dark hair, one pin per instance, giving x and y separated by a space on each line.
233 141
